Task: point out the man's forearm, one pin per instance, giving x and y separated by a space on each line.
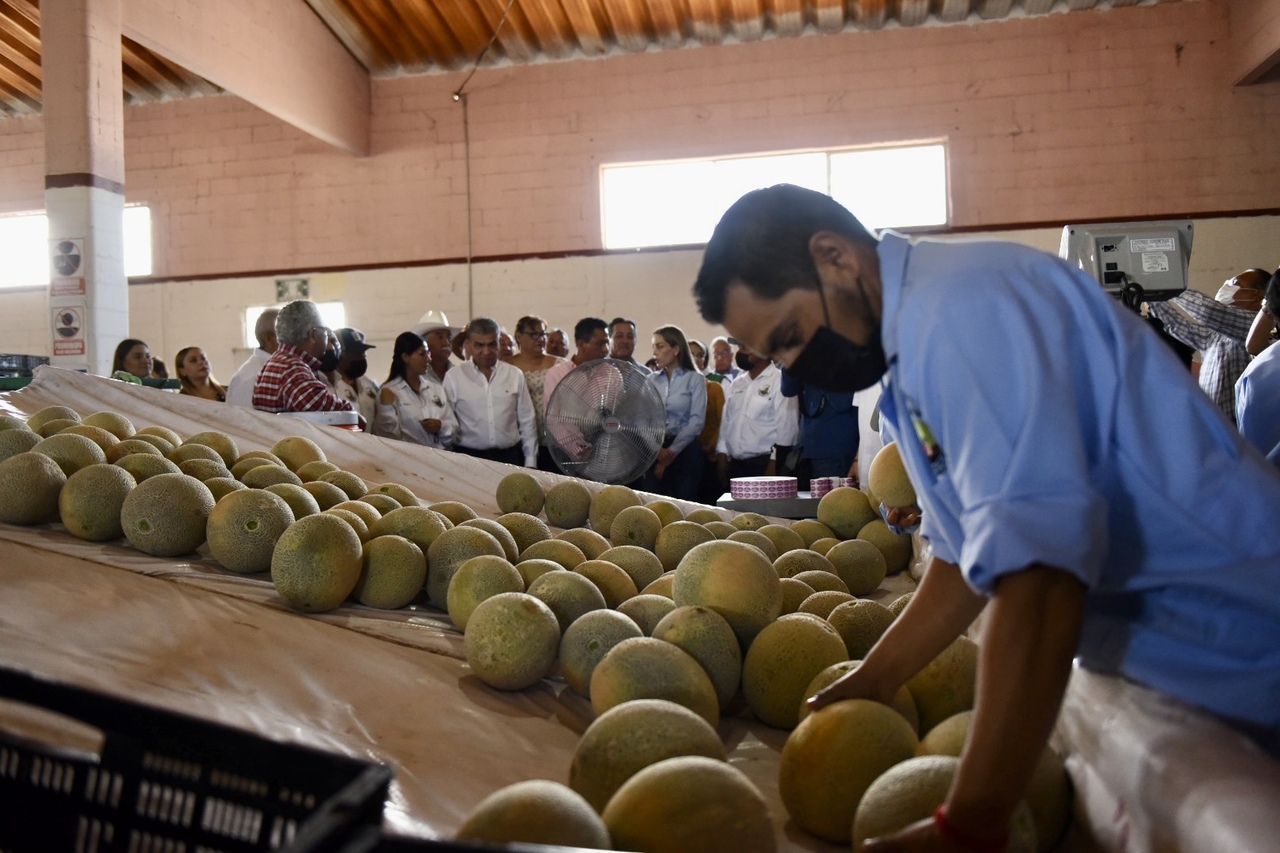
941 609
1028 644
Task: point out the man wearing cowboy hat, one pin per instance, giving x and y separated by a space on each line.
434 328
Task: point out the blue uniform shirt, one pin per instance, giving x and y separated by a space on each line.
1258 400
1043 423
828 421
685 396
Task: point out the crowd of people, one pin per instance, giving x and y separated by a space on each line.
729 412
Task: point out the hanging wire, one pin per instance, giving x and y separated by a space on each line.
457 96
460 96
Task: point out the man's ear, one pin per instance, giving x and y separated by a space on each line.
835 252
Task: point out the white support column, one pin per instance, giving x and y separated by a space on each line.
84 181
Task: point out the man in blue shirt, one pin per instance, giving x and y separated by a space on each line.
1063 461
828 429
1258 388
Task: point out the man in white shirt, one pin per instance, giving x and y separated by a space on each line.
240 388
492 402
433 327
349 380
757 418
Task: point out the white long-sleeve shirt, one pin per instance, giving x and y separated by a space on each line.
757 416
493 413
402 419
240 388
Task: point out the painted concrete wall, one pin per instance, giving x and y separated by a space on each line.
1128 113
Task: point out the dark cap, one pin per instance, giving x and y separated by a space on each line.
353 340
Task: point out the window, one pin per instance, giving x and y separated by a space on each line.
678 202
334 315
24 244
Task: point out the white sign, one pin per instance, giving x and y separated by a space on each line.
67 256
68 330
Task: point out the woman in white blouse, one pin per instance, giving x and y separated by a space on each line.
410 408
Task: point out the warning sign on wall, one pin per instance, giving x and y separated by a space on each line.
73 286
68 330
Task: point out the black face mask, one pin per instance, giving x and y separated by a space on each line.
743 361
357 368
832 362
329 360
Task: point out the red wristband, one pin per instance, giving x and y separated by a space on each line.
949 831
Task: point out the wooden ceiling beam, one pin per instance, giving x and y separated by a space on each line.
339 18
707 21
629 26
550 24
513 36
586 27
828 15
993 9
668 22
787 17
748 19
954 11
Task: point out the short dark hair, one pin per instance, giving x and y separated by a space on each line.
616 320
1272 294
525 323
406 344
763 241
586 327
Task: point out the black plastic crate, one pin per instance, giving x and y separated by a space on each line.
169 783
12 364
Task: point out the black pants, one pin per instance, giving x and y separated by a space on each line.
513 455
751 466
681 478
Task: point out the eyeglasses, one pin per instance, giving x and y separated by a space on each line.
536 334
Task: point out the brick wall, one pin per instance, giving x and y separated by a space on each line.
1075 117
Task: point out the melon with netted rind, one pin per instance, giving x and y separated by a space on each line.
902 701
497 531
645 668
97 435
629 737
821 581
15 441
29 487
568 594
887 478
811 530
793 563
418 524
859 563
607 503
402 494
166 515
756 540
860 623
591 544
531 570
635 525
512 640
846 510
269 475
709 639
690 803
302 502
313 471
327 495
749 521
71 452
833 756
567 504
536 811
450 550
224 444
143 466
52 413
821 604
565 553
222 486
244 527
782 660
912 790
896 547
947 684
296 450
614 584
519 491
666 510
316 563
525 528
643 566
475 580
584 643
733 579
647 610
677 539
393 571
794 592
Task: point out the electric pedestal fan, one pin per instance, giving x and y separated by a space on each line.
605 422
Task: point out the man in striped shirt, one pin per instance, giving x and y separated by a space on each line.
289 381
